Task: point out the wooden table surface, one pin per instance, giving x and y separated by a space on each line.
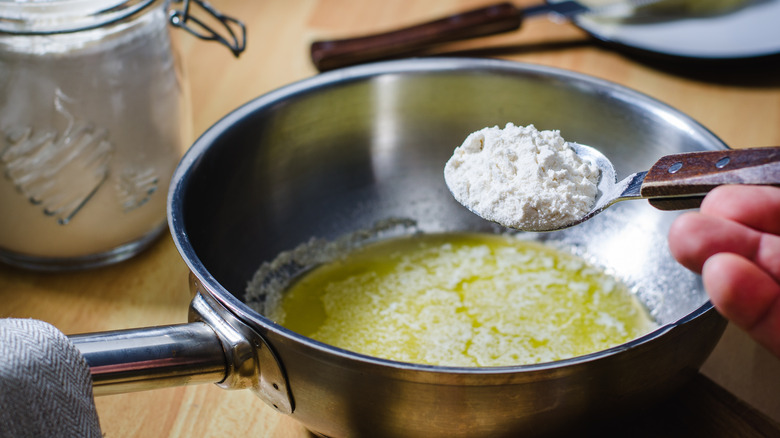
739 104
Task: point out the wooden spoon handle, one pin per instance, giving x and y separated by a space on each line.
691 175
489 20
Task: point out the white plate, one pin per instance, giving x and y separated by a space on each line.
749 32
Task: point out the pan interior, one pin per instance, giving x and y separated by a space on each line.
349 151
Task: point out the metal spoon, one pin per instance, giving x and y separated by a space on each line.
679 181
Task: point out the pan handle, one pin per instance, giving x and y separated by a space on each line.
215 347
154 357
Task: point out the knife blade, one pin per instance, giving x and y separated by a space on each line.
570 9
490 20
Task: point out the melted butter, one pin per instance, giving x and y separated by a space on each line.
463 300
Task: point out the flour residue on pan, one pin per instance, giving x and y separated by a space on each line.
269 282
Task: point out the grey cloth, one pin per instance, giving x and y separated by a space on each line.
45 385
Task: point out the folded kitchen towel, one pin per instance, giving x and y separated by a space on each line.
45 384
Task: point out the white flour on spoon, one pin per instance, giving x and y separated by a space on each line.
522 178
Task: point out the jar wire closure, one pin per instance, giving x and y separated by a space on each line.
232 34
237 40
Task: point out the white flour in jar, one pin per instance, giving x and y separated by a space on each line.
522 178
92 125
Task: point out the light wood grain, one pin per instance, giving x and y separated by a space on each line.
741 107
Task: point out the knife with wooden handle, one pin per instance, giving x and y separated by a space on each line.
490 20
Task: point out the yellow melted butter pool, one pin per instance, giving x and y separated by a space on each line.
463 299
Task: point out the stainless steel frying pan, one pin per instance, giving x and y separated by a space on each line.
343 150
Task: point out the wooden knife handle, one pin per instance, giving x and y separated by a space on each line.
498 18
688 176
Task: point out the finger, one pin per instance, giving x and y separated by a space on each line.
755 206
746 295
694 237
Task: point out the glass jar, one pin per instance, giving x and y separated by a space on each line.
94 115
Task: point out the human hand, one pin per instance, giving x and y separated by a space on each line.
734 242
